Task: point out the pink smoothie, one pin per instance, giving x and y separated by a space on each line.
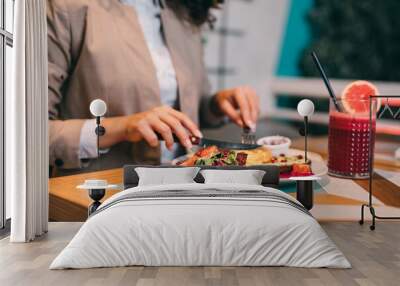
349 143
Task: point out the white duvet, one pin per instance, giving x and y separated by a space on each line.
188 231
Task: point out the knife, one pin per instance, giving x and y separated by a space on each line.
204 142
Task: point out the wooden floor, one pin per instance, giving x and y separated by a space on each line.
375 257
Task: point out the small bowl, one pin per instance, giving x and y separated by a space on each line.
277 144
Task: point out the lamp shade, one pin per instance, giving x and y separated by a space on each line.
305 108
98 107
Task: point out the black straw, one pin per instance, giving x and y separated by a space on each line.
326 80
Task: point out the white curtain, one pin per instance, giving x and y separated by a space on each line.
26 124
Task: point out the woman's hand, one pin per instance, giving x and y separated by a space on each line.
240 104
163 120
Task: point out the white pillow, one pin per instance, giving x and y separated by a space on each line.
248 177
166 176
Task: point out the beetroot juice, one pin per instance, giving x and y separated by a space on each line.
349 142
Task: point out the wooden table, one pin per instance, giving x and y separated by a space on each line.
66 203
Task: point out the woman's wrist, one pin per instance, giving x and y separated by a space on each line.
115 131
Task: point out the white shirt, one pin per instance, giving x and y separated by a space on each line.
148 12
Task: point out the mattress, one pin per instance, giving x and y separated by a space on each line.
201 225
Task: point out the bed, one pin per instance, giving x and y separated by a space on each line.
201 224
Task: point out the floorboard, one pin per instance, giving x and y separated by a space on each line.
375 257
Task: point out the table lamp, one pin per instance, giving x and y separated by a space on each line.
305 108
98 108
97 188
304 193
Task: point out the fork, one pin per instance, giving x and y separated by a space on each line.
248 137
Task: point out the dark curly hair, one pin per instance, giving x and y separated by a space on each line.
196 12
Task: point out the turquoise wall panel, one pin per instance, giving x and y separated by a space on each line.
296 37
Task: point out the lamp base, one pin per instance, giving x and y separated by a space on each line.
96 195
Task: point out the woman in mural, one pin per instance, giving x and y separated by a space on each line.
144 58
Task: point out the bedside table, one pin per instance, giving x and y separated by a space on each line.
305 190
305 193
96 189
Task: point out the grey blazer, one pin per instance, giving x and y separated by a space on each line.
96 49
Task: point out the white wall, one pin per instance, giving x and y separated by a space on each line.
252 49
9 26
8 85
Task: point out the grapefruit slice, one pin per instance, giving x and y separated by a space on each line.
356 94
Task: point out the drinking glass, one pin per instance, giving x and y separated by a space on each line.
351 138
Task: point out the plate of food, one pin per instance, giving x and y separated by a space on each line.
291 164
